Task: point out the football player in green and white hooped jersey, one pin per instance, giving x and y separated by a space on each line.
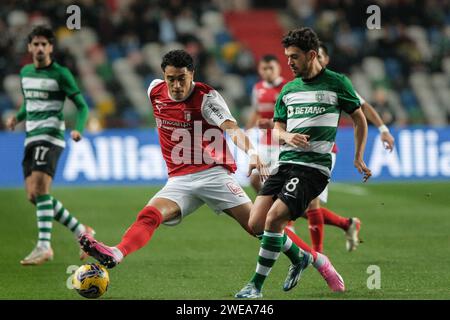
306 119
319 215
45 85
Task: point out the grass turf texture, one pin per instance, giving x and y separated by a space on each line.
405 231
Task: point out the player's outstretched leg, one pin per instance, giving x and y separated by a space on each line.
135 238
63 216
350 226
321 263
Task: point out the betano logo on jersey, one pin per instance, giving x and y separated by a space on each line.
32 94
304 110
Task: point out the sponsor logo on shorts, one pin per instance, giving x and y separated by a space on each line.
234 188
289 195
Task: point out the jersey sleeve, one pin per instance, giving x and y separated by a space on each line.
22 114
347 98
214 109
83 112
68 83
280 111
153 84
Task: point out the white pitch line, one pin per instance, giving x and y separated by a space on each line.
347 188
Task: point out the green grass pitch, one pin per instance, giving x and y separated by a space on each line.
405 231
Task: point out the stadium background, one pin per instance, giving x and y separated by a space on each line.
403 70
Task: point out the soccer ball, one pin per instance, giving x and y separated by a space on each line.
91 280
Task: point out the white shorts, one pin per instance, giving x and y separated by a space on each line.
323 197
216 187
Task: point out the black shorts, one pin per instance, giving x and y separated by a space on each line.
296 186
41 156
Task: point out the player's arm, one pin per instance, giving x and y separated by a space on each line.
82 116
373 116
360 124
293 139
350 102
12 121
280 120
241 140
71 89
216 112
21 115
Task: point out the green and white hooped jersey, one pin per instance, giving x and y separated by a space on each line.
313 107
44 91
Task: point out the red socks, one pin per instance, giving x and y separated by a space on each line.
300 243
315 220
141 230
329 217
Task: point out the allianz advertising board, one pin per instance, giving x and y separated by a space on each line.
115 157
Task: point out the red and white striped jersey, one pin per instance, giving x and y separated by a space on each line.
189 133
264 96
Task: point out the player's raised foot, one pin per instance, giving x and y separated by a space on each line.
331 276
249 292
90 231
99 251
38 256
296 270
352 233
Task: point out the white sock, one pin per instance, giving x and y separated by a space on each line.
43 244
80 229
320 261
118 254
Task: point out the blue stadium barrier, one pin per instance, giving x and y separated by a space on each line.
126 157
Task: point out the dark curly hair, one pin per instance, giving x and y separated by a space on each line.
177 59
42 31
269 57
304 38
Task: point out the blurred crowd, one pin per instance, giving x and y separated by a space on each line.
403 69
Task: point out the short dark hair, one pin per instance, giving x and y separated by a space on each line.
42 31
304 38
177 59
268 58
324 48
